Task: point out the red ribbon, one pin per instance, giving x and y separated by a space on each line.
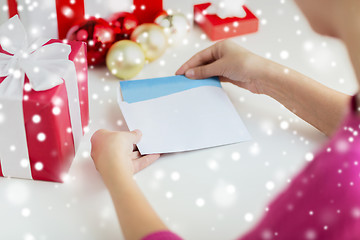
12 4
68 12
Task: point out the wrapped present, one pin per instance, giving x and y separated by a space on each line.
43 104
218 28
147 11
46 18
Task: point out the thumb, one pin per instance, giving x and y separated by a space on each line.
205 71
143 162
136 136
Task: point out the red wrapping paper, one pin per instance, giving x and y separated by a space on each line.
217 28
66 22
58 150
147 10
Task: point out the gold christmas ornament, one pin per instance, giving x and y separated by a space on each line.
152 40
176 26
125 59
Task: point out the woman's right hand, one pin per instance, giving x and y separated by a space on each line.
322 107
231 63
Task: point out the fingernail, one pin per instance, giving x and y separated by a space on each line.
190 73
137 131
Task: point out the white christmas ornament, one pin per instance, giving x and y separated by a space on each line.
176 26
227 8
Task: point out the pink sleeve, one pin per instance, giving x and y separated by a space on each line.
323 201
162 235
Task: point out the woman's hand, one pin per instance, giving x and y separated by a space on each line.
319 105
231 63
116 160
113 153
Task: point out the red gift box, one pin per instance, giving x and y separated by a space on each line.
68 13
48 113
217 28
146 11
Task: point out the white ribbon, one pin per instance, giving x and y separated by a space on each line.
227 8
46 67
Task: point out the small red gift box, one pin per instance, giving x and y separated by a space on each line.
41 129
146 11
217 28
68 13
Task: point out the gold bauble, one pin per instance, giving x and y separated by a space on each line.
152 40
176 26
125 59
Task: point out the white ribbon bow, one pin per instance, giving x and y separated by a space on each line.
227 8
43 65
46 66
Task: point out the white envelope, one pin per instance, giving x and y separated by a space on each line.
176 114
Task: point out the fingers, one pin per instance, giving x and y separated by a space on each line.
102 135
145 161
97 135
135 136
206 71
135 155
205 56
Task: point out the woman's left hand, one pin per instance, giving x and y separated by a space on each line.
114 153
117 160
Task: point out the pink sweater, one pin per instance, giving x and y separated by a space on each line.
323 200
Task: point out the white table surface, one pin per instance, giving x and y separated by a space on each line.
235 183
